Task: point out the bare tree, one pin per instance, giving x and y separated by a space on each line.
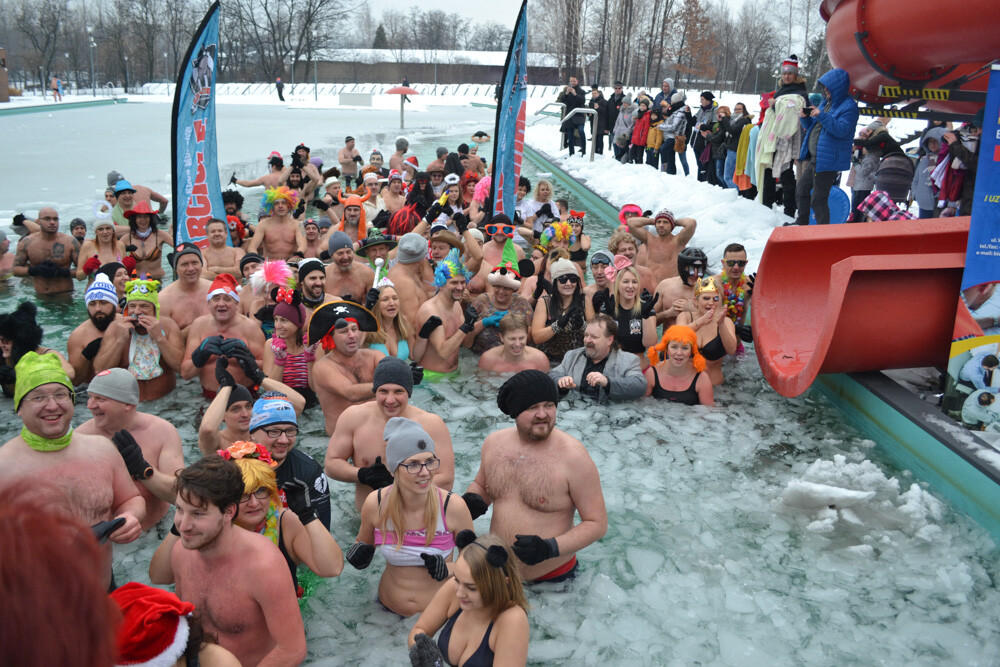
43 23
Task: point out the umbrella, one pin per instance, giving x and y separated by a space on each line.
402 91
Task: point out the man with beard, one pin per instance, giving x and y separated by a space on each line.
663 246
677 293
46 255
149 445
312 284
85 341
220 257
183 300
600 369
344 276
251 609
534 512
278 235
145 342
223 332
87 467
356 451
343 376
443 322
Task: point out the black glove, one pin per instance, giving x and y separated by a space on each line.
577 317
541 285
324 256
348 297
432 323
603 302
46 269
300 209
232 179
130 451
647 214
7 375
321 204
19 220
248 364
376 475
381 220
751 279
208 347
477 506
744 332
222 374
296 159
371 298
357 158
360 555
297 497
545 209
102 529
518 221
265 314
417 372
132 248
461 221
433 212
436 566
470 319
648 303
532 549
425 652
91 349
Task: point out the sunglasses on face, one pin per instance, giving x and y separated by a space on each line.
568 278
506 230
600 262
736 262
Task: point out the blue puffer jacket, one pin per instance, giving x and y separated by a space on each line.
839 118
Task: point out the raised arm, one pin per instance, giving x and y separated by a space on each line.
688 226
209 441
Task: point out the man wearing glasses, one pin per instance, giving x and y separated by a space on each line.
735 287
46 255
275 426
87 467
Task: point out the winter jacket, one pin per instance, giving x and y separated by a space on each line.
612 110
701 117
676 122
798 87
970 159
867 162
625 379
836 123
654 138
718 141
572 100
640 131
624 123
923 194
734 128
599 123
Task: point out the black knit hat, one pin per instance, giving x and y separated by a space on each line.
525 389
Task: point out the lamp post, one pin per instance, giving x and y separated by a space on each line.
126 74
66 53
166 68
755 77
93 81
312 36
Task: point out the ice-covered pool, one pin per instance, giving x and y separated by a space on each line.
722 548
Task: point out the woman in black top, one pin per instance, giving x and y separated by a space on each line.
676 369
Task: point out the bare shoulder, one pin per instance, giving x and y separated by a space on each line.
512 620
159 425
354 416
86 428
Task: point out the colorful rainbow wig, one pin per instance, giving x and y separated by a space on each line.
681 333
272 273
559 231
272 195
450 267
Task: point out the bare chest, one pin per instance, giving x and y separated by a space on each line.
537 481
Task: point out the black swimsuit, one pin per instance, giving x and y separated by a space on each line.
687 396
578 255
714 350
483 657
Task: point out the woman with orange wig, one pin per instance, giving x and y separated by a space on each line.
676 369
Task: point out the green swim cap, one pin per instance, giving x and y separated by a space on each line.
34 370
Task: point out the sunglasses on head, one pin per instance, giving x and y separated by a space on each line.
568 278
736 262
506 230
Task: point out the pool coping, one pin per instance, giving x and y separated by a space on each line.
58 106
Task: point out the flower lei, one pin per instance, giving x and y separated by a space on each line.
735 298
269 528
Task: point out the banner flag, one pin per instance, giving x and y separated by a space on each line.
508 137
197 193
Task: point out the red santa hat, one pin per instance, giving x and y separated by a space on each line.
224 284
154 630
790 64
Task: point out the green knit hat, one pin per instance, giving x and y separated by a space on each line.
34 370
143 290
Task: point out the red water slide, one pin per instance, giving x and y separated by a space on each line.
916 43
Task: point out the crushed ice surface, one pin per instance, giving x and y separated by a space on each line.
705 560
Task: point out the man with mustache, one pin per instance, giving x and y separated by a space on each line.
85 341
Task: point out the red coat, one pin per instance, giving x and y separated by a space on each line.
640 130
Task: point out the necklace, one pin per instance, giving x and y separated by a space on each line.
40 444
734 297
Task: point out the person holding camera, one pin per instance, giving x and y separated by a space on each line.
964 147
572 96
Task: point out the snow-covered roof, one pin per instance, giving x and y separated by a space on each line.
487 58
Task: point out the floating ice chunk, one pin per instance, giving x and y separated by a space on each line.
865 550
739 602
812 495
644 562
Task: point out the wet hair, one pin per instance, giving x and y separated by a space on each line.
610 327
562 204
733 247
21 328
463 149
500 587
256 475
211 480
51 578
512 322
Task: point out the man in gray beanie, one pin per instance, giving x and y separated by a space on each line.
407 275
344 276
356 451
563 478
150 446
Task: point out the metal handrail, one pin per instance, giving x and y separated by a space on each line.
586 111
550 104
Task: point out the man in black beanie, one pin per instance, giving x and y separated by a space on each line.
538 477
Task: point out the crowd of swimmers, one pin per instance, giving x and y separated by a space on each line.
343 299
